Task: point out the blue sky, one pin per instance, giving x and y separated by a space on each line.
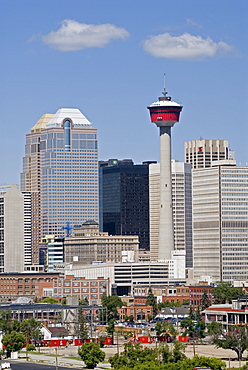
108 59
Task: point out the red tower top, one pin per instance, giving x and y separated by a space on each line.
165 112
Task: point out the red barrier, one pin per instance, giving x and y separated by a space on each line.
183 339
77 342
144 339
165 339
107 341
55 343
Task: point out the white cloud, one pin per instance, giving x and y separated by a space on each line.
73 35
185 46
192 23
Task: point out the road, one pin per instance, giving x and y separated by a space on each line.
30 366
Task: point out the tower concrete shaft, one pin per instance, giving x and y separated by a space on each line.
166 230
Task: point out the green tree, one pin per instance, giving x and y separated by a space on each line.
224 292
235 339
91 354
186 364
214 329
31 347
189 328
13 341
133 354
15 325
136 357
111 302
172 355
178 351
198 315
82 329
193 329
165 329
205 301
168 304
201 361
49 300
84 302
151 301
200 327
5 325
31 329
191 313
111 329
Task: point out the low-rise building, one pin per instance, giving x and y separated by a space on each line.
89 244
89 289
235 313
31 284
127 276
196 292
138 312
163 293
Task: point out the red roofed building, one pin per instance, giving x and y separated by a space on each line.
228 314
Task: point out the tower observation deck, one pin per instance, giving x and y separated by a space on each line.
165 113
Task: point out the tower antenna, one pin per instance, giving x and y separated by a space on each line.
164 92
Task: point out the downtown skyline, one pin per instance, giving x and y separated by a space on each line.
56 59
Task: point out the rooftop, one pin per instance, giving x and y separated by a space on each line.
77 117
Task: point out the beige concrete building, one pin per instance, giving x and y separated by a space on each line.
89 245
11 229
220 222
181 205
200 153
30 182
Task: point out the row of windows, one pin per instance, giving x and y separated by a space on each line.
60 135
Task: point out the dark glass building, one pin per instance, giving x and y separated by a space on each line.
124 199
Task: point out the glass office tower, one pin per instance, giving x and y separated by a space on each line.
124 199
61 163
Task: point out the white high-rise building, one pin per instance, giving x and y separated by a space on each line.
220 222
12 229
181 206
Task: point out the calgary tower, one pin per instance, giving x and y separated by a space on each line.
165 113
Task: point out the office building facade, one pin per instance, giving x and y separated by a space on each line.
61 166
12 229
89 245
124 199
201 153
220 222
181 205
55 253
124 277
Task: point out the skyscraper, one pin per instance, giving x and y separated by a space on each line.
220 222
200 153
181 206
124 199
61 165
12 225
